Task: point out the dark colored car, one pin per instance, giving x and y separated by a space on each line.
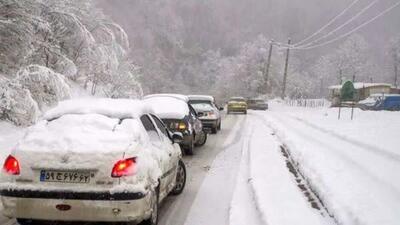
257 104
179 116
237 104
208 111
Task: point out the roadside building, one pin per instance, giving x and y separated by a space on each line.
363 91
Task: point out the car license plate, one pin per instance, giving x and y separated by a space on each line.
65 176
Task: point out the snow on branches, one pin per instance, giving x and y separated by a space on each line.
46 87
45 42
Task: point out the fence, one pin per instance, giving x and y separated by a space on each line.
310 103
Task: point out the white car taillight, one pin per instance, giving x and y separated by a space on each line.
125 167
11 166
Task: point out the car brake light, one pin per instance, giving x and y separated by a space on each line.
182 126
125 167
11 165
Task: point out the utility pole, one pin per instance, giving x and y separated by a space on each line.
286 70
396 69
268 64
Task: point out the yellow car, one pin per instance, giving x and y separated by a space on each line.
237 104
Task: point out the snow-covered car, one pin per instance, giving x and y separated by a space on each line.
93 160
369 103
257 104
179 115
237 104
207 110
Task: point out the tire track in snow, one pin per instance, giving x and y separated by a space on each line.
244 193
375 196
362 169
302 182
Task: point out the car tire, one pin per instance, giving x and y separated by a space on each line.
214 130
202 140
153 220
189 149
219 126
245 112
27 222
180 179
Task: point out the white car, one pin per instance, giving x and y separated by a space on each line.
208 111
93 160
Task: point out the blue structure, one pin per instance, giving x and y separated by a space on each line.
391 103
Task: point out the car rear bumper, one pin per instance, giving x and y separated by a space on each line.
92 207
259 107
209 123
237 109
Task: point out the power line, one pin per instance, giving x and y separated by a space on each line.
328 24
352 31
343 25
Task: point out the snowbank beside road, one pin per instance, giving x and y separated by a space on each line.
352 165
269 184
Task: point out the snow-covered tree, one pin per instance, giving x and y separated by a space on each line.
45 86
394 55
44 43
16 103
352 59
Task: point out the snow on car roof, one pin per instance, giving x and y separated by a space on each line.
201 97
82 133
167 107
177 96
115 108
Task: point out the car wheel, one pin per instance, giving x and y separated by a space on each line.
202 140
26 222
219 126
245 112
153 220
189 149
214 130
180 179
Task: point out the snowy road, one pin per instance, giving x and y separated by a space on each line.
273 168
187 207
239 177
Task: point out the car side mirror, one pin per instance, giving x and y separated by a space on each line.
177 137
221 108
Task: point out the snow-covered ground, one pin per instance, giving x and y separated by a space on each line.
353 165
249 183
266 192
350 168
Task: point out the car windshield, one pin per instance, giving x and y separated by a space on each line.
202 107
